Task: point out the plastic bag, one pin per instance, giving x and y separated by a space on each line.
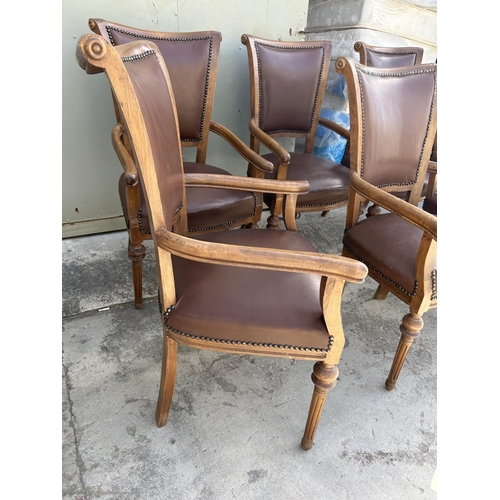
327 143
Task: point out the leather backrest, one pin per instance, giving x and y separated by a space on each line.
289 82
393 122
158 112
388 57
191 59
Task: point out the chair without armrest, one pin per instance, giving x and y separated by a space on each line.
287 85
192 58
212 284
390 152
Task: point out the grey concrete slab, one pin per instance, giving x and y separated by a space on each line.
236 422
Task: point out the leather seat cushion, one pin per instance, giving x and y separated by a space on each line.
328 180
388 245
207 208
239 304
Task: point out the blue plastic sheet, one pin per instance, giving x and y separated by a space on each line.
327 143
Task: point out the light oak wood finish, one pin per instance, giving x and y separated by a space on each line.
192 58
262 292
287 85
393 128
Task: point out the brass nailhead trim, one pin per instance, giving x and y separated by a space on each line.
434 294
305 47
139 219
168 311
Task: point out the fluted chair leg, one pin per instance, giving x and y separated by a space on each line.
136 254
167 381
410 329
324 377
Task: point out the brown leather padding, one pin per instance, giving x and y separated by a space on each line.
206 207
251 305
328 180
392 154
388 245
184 55
289 80
380 60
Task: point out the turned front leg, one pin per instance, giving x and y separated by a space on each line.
136 254
324 377
410 329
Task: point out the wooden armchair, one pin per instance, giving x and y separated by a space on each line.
192 60
393 117
287 84
222 290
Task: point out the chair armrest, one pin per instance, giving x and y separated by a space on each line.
334 266
246 183
270 143
249 154
128 163
343 132
415 215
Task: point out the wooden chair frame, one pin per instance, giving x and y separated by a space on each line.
95 54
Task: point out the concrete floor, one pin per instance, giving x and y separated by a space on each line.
236 422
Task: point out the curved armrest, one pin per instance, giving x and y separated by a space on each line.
334 266
270 143
128 164
246 183
416 216
249 154
343 132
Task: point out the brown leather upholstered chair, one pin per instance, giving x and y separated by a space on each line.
192 59
203 302
390 153
287 84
